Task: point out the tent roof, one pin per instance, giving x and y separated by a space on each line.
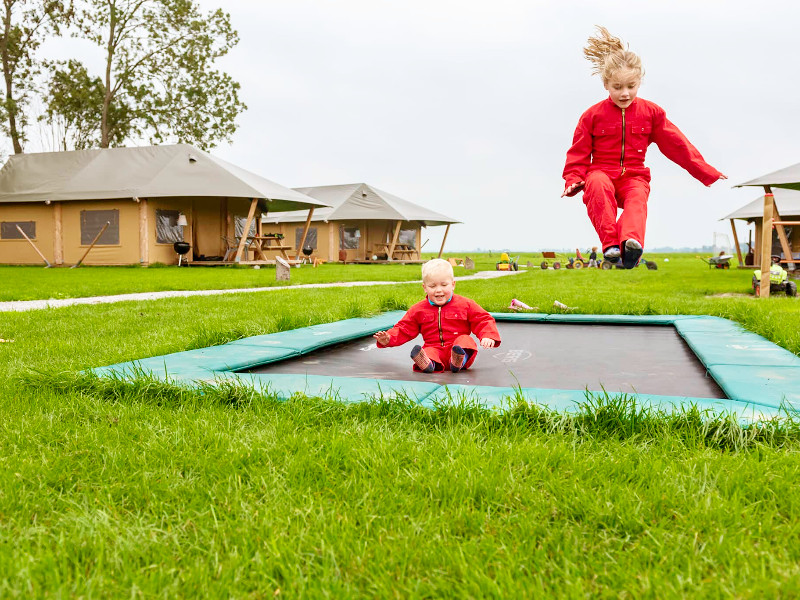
361 201
179 170
787 201
788 178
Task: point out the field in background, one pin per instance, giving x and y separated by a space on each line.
35 283
146 491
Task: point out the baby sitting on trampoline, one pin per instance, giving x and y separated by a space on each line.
445 321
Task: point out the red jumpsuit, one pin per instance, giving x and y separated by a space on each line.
442 327
607 153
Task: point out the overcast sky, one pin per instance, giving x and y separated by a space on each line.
469 107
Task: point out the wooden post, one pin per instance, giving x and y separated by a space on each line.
58 234
223 224
30 241
778 224
144 246
736 241
394 241
94 241
193 224
302 243
332 239
766 240
246 232
446 231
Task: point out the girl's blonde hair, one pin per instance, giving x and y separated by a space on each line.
609 55
437 266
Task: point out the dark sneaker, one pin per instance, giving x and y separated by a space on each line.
611 253
632 254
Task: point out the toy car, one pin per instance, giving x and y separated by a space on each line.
778 279
506 263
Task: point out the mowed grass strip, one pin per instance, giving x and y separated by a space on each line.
108 492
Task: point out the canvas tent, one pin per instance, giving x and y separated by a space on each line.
362 222
789 179
150 196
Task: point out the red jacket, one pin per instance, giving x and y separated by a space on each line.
615 141
441 325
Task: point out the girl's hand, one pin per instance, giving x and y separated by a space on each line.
721 177
487 343
383 338
572 189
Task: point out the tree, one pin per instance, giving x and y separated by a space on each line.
74 108
159 79
25 25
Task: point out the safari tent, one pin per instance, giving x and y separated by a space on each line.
134 204
787 203
363 224
788 179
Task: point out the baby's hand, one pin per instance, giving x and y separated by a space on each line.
487 343
383 338
572 189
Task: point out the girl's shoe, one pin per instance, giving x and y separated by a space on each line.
421 359
458 357
611 253
632 254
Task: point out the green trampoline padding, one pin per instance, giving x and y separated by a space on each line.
760 379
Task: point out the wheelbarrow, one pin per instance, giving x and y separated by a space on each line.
723 261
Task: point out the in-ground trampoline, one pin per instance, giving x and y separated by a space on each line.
552 360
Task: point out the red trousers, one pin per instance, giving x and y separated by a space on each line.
441 354
603 195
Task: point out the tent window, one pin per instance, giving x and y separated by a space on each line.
92 222
238 224
349 237
167 229
311 237
408 237
9 231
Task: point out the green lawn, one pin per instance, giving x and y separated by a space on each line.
146 491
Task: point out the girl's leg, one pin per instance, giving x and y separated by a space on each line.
633 193
600 199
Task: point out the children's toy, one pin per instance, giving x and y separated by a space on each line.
550 255
507 264
581 261
778 279
517 305
723 261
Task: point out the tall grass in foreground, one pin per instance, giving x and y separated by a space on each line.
112 489
601 416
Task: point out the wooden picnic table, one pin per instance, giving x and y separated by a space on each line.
401 251
260 244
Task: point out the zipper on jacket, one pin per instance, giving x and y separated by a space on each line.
622 157
441 335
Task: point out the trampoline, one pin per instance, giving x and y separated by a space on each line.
553 360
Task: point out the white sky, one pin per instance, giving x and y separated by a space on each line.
469 107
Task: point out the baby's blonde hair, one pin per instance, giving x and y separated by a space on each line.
437 265
609 55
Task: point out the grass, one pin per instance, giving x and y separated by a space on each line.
147 490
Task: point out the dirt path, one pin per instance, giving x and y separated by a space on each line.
24 305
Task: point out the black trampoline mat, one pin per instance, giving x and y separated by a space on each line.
644 359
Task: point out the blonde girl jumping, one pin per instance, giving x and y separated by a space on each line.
606 159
